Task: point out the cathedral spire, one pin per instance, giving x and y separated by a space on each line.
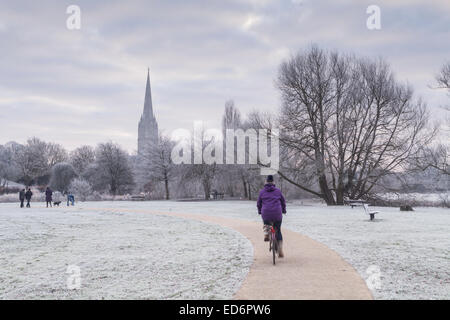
148 127
148 106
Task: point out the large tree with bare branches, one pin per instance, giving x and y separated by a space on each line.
155 165
437 156
346 122
36 158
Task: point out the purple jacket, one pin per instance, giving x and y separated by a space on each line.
271 203
48 195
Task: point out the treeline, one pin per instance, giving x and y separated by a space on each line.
106 168
348 129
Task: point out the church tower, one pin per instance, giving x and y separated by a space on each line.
148 127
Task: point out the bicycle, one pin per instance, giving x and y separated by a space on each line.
273 242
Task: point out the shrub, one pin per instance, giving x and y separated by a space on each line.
80 188
62 175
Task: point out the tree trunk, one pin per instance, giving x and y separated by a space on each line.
206 189
166 184
113 188
245 189
327 195
340 194
230 190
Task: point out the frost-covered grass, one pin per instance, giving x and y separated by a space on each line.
118 259
120 255
418 199
412 249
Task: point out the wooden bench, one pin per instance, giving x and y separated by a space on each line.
370 213
355 203
217 195
137 198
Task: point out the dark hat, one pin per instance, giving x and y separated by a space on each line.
269 178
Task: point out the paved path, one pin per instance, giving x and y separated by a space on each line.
310 270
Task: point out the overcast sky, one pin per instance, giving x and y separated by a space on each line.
87 86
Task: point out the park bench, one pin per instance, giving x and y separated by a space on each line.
137 198
355 203
370 213
217 195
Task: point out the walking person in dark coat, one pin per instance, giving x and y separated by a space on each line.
28 196
271 206
48 196
22 197
71 199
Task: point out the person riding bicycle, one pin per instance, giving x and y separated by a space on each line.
271 206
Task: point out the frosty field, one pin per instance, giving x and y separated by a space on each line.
140 255
120 256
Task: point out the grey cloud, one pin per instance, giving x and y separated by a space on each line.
87 86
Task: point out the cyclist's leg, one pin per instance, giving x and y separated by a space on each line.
277 226
279 236
266 229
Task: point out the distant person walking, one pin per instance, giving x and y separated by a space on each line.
22 197
70 199
48 196
28 196
271 206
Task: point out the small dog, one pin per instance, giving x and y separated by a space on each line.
57 203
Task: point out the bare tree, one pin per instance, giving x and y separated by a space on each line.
204 173
82 157
30 160
55 153
257 120
8 168
111 168
62 175
231 118
443 78
437 156
346 123
36 158
155 164
230 173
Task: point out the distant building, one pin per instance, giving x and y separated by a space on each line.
148 127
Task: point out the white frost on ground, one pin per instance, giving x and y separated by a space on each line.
120 255
425 199
412 249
